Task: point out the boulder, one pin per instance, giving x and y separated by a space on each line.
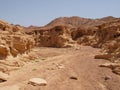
37 82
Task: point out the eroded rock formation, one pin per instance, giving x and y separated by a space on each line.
68 29
108 36
13 40
58 36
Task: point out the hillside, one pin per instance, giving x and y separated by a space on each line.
76 21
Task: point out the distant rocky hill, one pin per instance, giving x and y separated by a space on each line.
78 29
71 21
76 21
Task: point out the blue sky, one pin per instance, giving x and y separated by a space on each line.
41 12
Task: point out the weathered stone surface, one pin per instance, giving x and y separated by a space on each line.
4 51
104 56
58 36
110 65
13 40
37 82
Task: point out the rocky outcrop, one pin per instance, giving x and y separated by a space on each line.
108 38
75 21
85 35
58 36
13 40
71 29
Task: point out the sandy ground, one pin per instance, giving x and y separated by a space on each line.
57 65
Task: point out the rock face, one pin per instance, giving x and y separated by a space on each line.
13 40
85 36
58 36
4 51
108 38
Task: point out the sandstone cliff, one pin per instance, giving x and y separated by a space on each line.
108 38
13 40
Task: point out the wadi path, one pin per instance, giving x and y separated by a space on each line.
58 65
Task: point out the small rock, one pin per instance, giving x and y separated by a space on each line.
37 82
3 77
60 66
110 65
77 48
74 77
107 77
50 68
